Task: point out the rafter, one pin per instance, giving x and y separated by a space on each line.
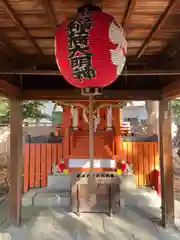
130 7
157 26
50 14
20 25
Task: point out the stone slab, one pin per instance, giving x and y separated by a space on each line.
27 199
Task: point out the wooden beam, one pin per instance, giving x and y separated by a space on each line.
166 163
50 14
129 10
75 94
157 26
172 91
49 72
16 163
20 25
9 90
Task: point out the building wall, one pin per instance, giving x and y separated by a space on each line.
138 112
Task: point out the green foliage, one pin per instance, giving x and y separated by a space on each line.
31 110
176 112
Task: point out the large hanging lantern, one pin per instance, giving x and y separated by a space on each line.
90 49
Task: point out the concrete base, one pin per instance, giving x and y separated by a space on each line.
128 182
60 181
139 197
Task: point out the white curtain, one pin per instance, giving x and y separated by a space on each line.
74 112
109 118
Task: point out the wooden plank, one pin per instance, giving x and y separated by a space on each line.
141 163
26 167
49 158
20 25
135 162
157 26
129 152
43 165
38 165
103 121
7 48
125 150
50 14
16 163
8 89
172 90
166 163
59 153
157 154
54 153
146 164
32 165
152 163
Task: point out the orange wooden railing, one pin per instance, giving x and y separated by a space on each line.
40 157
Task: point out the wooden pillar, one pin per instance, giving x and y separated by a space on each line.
66 141
166 164
116 126
16 163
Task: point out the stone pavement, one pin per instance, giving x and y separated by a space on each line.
135 221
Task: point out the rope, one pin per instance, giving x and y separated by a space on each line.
91 142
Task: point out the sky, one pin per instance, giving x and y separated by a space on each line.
49 108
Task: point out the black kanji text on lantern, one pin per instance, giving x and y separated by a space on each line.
78 47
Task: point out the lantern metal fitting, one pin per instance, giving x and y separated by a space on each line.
91 91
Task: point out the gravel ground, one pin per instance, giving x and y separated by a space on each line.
4 183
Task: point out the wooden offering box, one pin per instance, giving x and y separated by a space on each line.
105 195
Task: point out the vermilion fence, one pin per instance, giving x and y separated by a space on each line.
39 158
145 159
38 162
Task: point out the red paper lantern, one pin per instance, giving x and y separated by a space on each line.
90 49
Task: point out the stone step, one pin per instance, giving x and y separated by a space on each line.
58 199
47 197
